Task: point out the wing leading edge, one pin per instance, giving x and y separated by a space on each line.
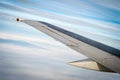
98 52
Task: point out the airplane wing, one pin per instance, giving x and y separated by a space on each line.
102 57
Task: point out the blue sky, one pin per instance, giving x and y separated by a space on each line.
96 19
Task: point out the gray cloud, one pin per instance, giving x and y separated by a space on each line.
11 7
26 2
20 65
19 43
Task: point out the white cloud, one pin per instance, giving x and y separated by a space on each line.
32 40
50 45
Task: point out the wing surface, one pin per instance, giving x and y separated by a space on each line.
98 52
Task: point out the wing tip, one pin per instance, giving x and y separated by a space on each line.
19 19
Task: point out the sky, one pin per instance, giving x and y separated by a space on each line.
28 54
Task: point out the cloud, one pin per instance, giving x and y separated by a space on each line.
11 7
19 43
49 45
109 3
29 39
33 63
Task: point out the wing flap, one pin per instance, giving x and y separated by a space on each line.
90 64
